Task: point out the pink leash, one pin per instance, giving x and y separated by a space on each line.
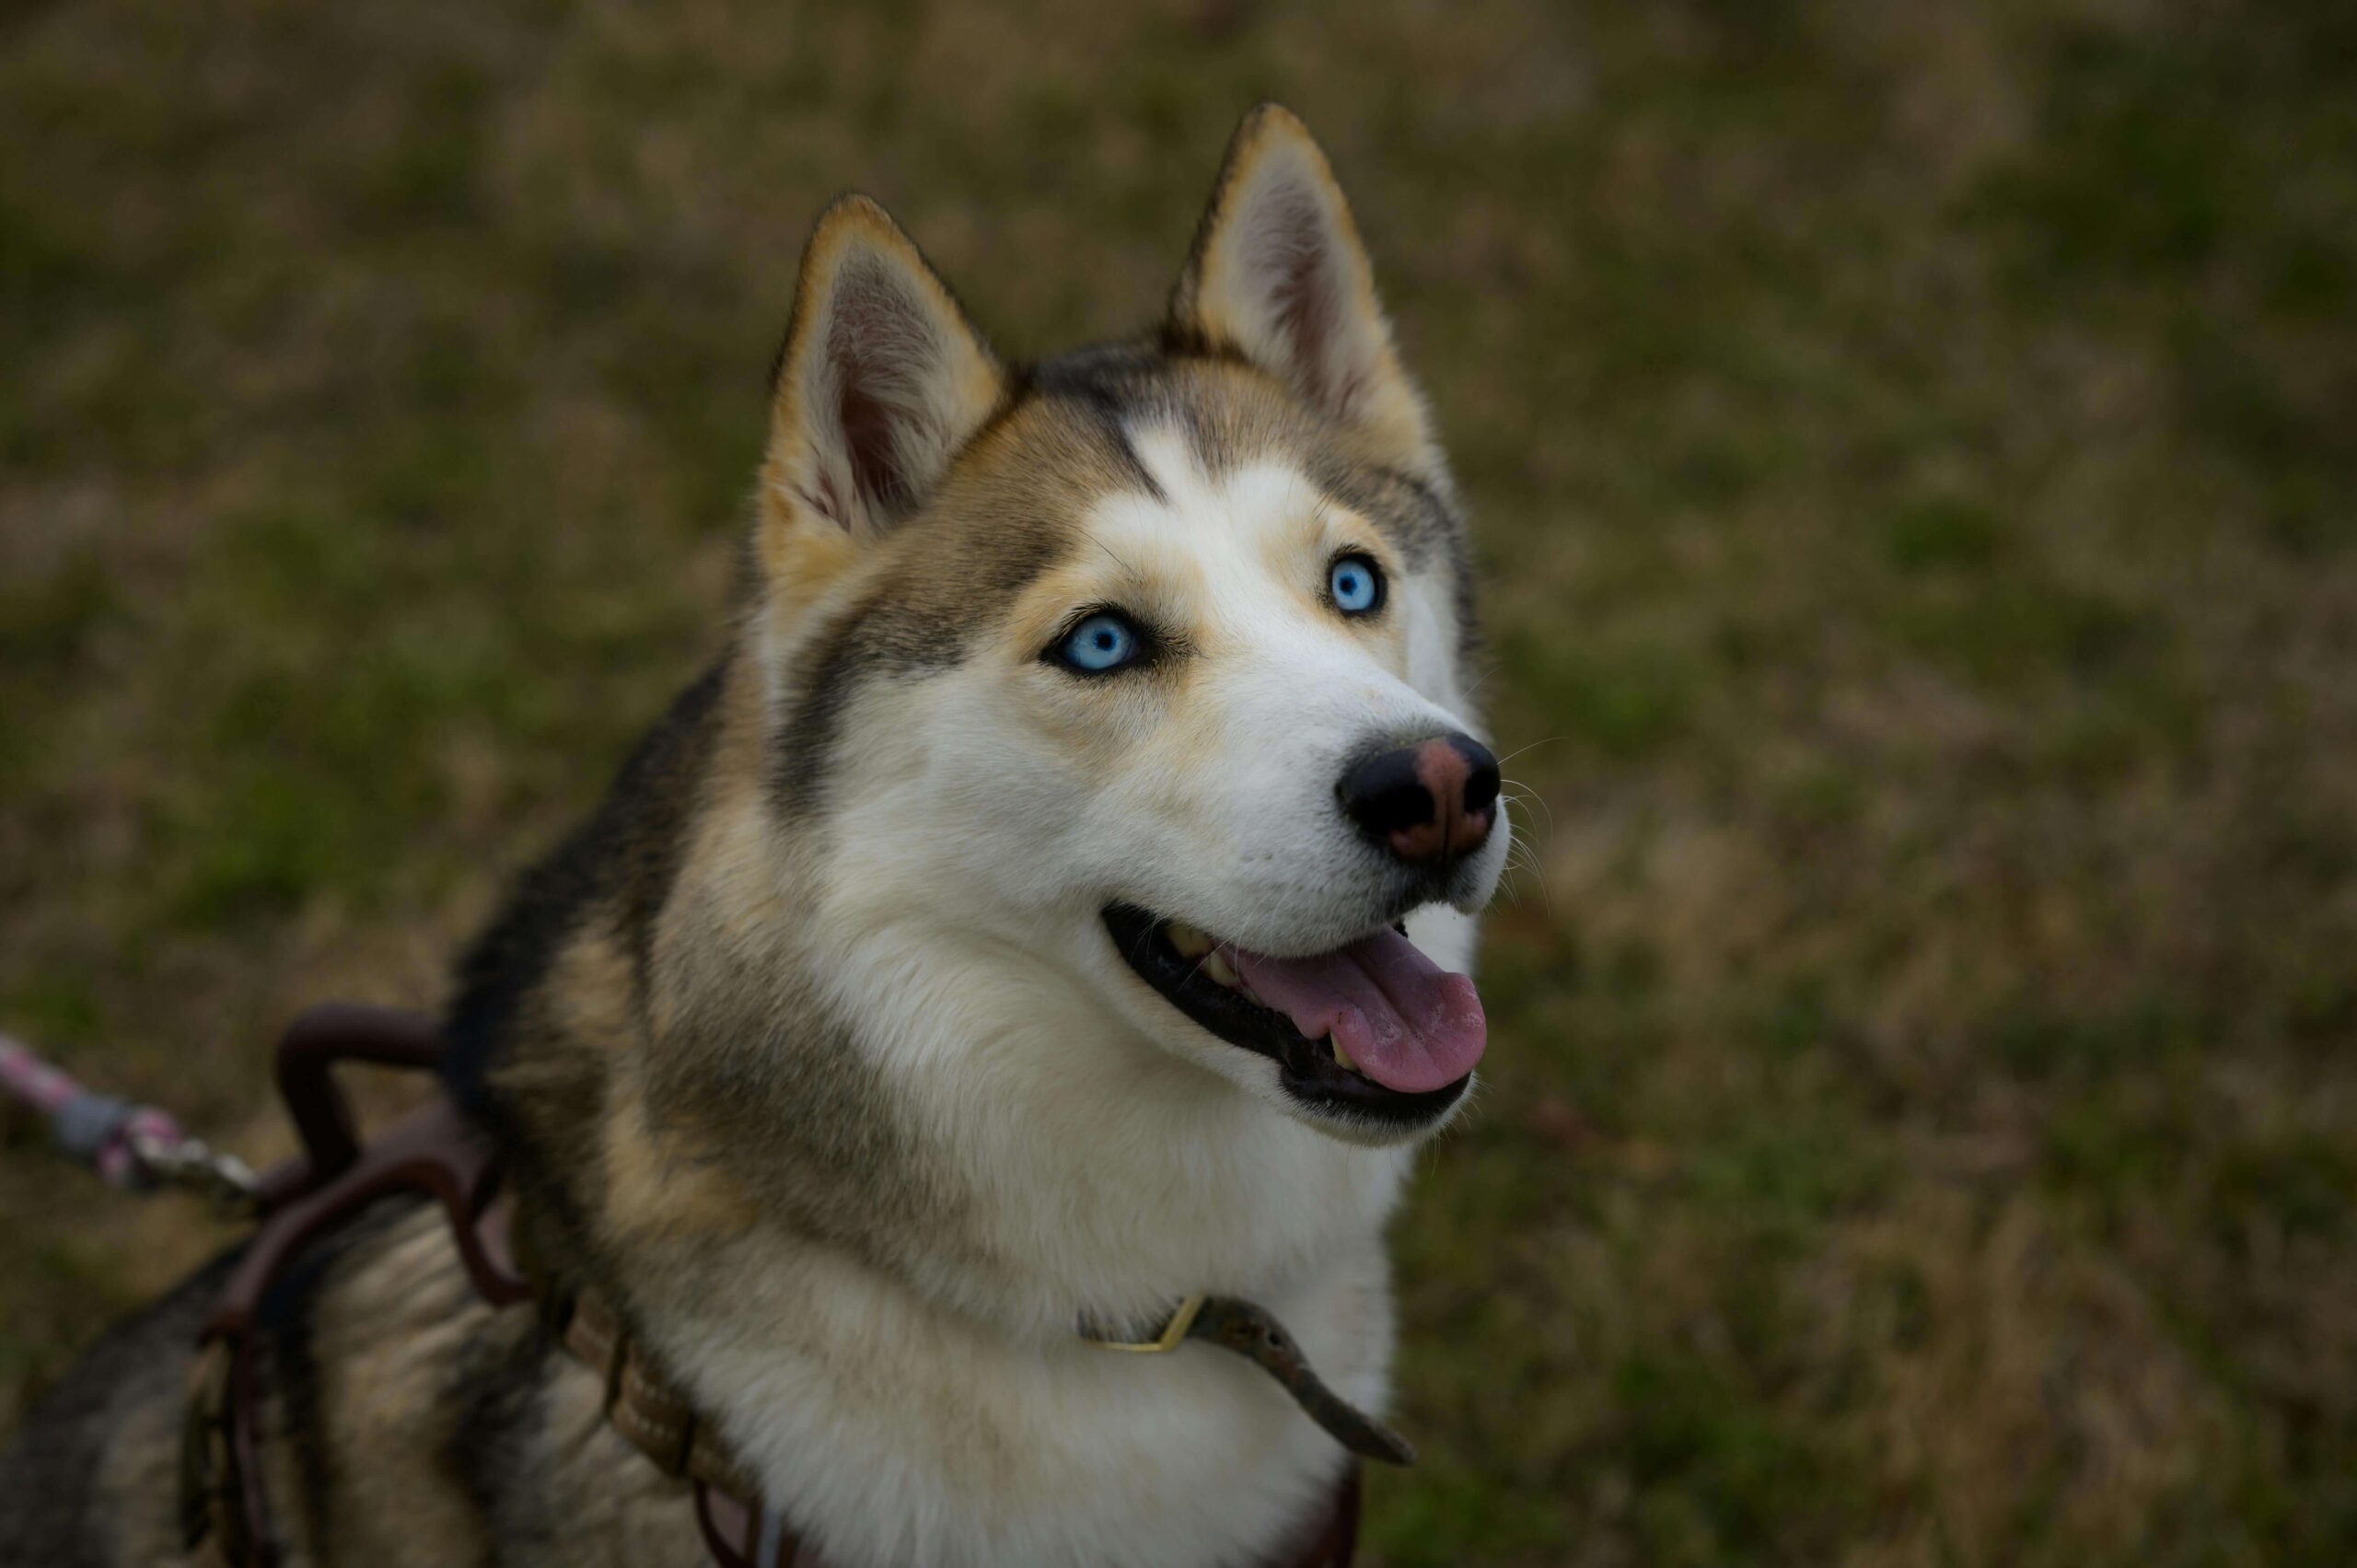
131 1147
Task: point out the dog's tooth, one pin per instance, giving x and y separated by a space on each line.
1190 943
1219 968
1341 1056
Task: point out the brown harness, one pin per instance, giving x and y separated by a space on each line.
437 1154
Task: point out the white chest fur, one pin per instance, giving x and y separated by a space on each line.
894 1433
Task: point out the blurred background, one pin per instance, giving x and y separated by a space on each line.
1914 455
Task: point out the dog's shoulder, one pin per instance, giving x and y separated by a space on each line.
607 875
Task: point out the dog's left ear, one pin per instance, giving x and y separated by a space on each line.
1278 275
882 380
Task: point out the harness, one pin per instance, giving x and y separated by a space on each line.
437 1154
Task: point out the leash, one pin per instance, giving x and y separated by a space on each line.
135 1148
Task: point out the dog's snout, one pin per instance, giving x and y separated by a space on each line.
1428 802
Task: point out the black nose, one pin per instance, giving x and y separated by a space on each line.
1430 802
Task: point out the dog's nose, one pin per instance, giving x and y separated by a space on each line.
1427 803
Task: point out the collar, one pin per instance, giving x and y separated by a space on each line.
1253 1333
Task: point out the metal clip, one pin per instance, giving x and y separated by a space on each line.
191 1163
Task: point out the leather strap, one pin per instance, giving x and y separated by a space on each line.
1253 1333
643 1405
433 1152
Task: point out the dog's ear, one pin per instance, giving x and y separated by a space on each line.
1278 275
881 382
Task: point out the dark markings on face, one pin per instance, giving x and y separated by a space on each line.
1235 420
1105 387
1114 425
1409 512
1417 518
951 580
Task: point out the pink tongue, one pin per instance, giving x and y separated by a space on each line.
1408 1023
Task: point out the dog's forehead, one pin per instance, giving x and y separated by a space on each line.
1263 502
1120 421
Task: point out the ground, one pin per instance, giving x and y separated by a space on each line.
1914 453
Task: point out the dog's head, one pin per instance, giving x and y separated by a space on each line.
1138 670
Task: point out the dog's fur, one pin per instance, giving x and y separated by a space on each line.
811 1049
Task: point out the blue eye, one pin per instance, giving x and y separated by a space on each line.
1355 584
1103 642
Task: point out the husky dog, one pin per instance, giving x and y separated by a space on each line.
1047 908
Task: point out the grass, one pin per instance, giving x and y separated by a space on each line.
1913 450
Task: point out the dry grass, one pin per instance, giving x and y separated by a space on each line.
1914 451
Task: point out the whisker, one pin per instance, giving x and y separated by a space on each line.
1523 857
1532 747
1524 792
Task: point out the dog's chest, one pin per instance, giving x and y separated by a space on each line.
892 1434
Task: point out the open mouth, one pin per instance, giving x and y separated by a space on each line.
1374 1028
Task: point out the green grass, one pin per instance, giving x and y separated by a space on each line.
1913 451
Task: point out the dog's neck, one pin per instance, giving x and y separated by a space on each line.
928 1097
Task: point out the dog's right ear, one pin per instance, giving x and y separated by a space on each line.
1278 276
881 382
